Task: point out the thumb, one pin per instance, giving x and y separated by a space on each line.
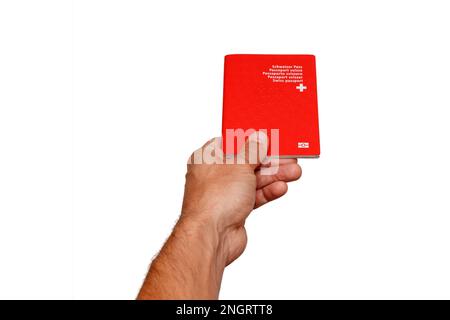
254 150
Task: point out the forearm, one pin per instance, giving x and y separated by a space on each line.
211 232
190 264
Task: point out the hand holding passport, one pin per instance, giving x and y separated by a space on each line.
268 93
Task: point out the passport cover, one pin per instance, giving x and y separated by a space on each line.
265 92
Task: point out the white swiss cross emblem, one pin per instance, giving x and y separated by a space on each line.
301 87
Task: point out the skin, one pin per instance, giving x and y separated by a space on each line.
210 233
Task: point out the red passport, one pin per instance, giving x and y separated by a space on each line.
273 93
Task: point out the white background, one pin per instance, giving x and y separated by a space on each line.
101 102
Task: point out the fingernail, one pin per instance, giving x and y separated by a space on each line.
258 136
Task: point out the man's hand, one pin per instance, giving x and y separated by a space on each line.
224 195
210 233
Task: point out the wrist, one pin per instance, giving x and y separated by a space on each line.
207 219
210 234
225 242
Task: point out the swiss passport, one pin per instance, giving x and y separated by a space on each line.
276 94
